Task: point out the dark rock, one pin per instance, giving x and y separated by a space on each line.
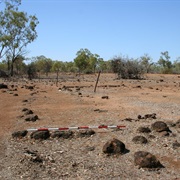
160 126
19 134
128 119
3 86
33 156
176 145
105 97
28 112
62 134
30 87
85 133
140 117
143 130
114 146
40 135
15 95
151 136
146 160
24 109
152 116
32 118
25 100
139 140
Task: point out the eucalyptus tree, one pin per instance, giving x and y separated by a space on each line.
86 61
146 62
165 63
17 30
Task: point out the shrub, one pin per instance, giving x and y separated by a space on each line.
127 68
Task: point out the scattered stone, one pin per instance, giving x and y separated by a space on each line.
105 97
32 118
40 135
62 134
24 109
3 86
128 119
27 112
33 156
139 140
19 134
25 100
160 126
85 133
114 146
30 87
143 130
176 145
152 116
15 95
100 110
151 136
147 116
90 148
146 160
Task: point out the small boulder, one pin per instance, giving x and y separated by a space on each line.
160 126
139 140
145 159
24 109
30 87
176 145
19 134
85 133
105 97
143 130
40 135
28 112
32 118
152 116
3 86
62 134
114 146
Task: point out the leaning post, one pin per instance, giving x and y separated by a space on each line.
97 81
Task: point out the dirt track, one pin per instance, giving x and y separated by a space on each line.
158 94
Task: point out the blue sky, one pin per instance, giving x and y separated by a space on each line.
107 27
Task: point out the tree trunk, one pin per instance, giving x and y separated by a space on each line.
12 69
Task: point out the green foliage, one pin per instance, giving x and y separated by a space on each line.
17 30
86 61
58 66
43 64
165 63
146 62
176 66
31 70
127 68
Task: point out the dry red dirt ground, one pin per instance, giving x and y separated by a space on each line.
78 105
